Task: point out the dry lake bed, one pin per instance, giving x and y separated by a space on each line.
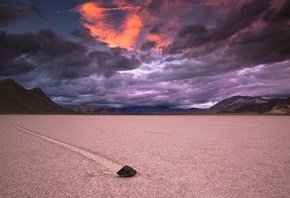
175 156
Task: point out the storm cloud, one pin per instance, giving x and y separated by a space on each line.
9 15
169 52
53 56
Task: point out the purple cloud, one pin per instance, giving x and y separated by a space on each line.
209 51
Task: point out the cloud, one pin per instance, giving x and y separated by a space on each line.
251 34
155 6
238 19
36 10
148 45
9 15
85 36
265 44
131 23
128 89
206 63
147 58
169 52
274 15
188 37
110 62
195 35
14 51
157 29
50 55
118 30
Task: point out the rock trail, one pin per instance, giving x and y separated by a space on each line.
109 164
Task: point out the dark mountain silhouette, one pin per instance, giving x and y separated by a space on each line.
15 99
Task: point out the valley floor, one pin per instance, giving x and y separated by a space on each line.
175 156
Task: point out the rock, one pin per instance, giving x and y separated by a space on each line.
126 171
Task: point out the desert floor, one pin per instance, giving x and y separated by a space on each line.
175 156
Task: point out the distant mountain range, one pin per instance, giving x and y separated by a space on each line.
130 110
94 110
15 99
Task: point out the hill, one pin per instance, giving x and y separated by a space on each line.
131 110
93 109
252 105
15 99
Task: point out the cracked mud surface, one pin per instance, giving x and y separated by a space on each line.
175 156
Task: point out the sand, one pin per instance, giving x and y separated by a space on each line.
175 156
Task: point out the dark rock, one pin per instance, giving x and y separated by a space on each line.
126 171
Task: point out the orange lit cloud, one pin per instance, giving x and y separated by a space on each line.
139 17
159 40
95 18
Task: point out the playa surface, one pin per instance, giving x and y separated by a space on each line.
175 156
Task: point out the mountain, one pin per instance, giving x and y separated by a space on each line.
93 109
272 107
15 99
233 105
161 109
237 102
131 110
252 105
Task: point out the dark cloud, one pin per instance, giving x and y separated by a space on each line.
148 45
126 89
213 50
274 15
213 65
188 37
9 15
170 59
15 51
284 13
44 52
206 12
146 58
240 18
18 66
155 6
108 62
49 54
84 35
267 44
117 51
157 29
195 35
55 46
264 45
36 10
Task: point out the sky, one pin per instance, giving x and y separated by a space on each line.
179 53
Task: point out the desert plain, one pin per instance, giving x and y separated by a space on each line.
175 156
